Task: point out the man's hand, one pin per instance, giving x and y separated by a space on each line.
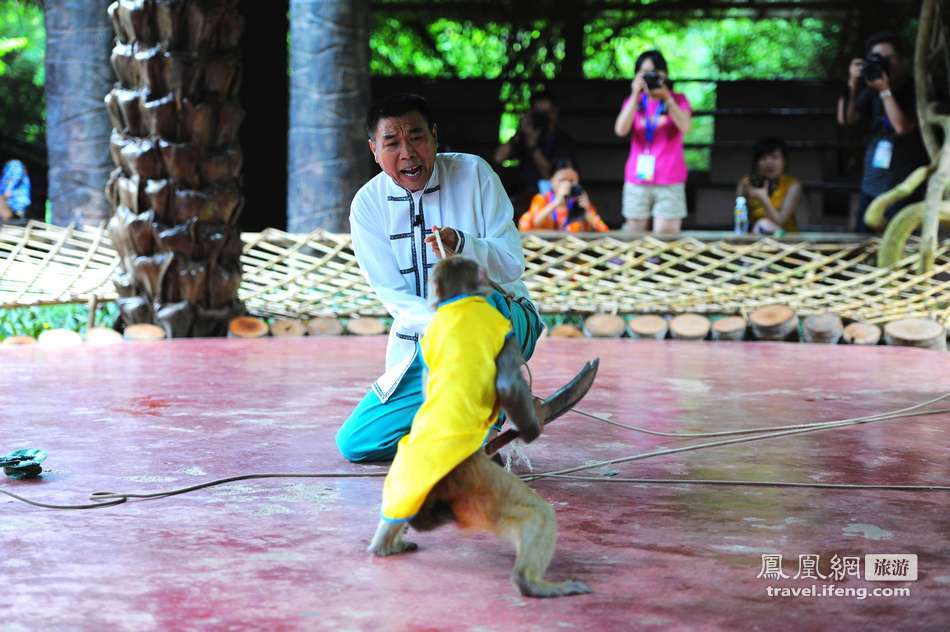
638 86
450 241
882 83
584 200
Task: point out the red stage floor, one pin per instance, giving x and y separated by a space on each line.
289 554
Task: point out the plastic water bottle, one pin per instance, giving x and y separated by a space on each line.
741 220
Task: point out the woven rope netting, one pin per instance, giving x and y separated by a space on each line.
301 276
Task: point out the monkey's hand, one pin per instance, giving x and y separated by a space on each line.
388 539
514 394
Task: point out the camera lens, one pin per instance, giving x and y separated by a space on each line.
652 80
576 190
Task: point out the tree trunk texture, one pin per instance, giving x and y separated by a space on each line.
329 95
177 185
78 38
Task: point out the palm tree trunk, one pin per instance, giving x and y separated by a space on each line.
78 39
329 94
176 188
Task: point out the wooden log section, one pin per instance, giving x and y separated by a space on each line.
247 327
102 336
774 322
648 327
288 329
916 332
822 328
322 326
18 341
59 338
861 334
729 328
365 327
689 327
143 331
604 326
566 331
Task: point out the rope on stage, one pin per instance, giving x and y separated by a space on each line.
103 499
301 276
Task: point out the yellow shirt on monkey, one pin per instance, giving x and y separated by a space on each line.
459 350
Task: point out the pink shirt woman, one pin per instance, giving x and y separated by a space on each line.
656 119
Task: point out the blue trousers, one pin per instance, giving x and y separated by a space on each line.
374 428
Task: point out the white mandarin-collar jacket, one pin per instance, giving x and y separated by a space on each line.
388 225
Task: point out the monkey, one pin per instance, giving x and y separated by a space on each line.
474 369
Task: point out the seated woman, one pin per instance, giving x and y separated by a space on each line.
565 207
773 196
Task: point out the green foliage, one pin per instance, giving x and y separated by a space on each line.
699 51
22 71
32 321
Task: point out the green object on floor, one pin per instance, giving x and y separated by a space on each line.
22 464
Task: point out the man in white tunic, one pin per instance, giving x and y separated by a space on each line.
392 220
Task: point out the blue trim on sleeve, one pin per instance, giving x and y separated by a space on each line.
396 520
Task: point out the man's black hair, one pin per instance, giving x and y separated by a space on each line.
397 105
659 61
542 95
562 162
885 37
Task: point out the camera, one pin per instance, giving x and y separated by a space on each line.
577 211
539 121
756 180
875 66
653 80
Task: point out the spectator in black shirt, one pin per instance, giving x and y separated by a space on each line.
536 145
881 94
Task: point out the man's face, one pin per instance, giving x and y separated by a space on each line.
886 49
404 148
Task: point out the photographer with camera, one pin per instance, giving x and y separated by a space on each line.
655 173
880 92
535 145
565 207
773 195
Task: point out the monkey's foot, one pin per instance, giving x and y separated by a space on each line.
388 539
393 548
544 589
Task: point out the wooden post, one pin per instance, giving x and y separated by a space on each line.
365 327
729 328
823 328
861 334
648 326
321 326
329 95
78 40
565 330
288 329
689 327
604 326
774 322
247 327
916 332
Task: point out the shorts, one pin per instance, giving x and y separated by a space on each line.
666 201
